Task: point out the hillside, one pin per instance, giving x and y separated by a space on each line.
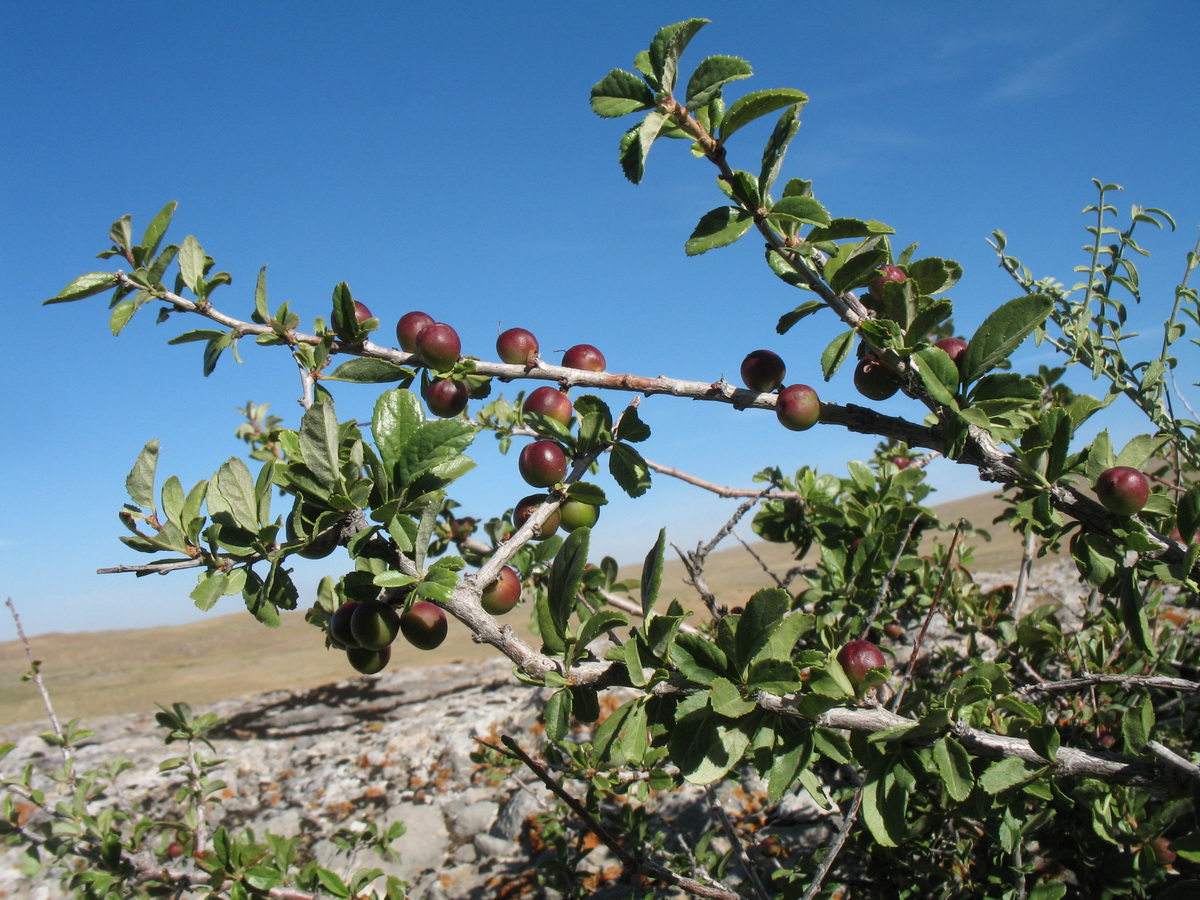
113 672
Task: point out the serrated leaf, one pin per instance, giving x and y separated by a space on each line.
763 613
191 264
666 48
396 418
790 756
139 483
603 620
619 93
636 143
566 576
843 229
1004 774
157 228
629 470
652 570
727 701
85 286
711 75
801 209
231 496
621 740
362 370
954 766
718 228
938 374
1001 333
835 353
753 105
776 148
879 815
1136 724
319 441
787 320
698 658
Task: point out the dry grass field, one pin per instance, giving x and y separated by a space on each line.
111 672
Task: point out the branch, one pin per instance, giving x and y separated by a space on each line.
1161 682
35 674
633 864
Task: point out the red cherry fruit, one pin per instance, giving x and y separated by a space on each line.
874 380
797 407
374 624
859 657
1123 489
543 463
340 632
887 274
517 347
584 356
502 594
524 510
461 529
424 625
551 402
361 313
901 462
411 324
955 347
446 397
763 371
438 346
369 662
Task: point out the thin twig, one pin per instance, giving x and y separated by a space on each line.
933 607
634 864
885 586
1161 682
719 489
35 675
1171 758
838 843
738 847
779 582
1023 573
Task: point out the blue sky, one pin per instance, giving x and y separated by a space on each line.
443 157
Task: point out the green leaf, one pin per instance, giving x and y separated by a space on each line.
319 441
139 483
157 228
1004 774
622 739
1136 724
231 496
705 747
121 315
566 576
758 103
396 418
631 428
191 265
718 228
1187 513
801 209
776 148
652 570
557 715
938 373
85 286
835 354
698 659
954 766
793 749
362 370
880 815
805 309
1001 333
629 470
711 75
845 229
727 700
764 611
619 93
933 275
603 620
636 143
666 48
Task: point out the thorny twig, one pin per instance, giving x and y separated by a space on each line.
933 608
838 843
35 675
885 586
632 863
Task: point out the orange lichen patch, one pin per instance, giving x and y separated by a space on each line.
375 793
339 812
373 727
227 794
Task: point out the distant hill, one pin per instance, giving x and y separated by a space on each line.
112 672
